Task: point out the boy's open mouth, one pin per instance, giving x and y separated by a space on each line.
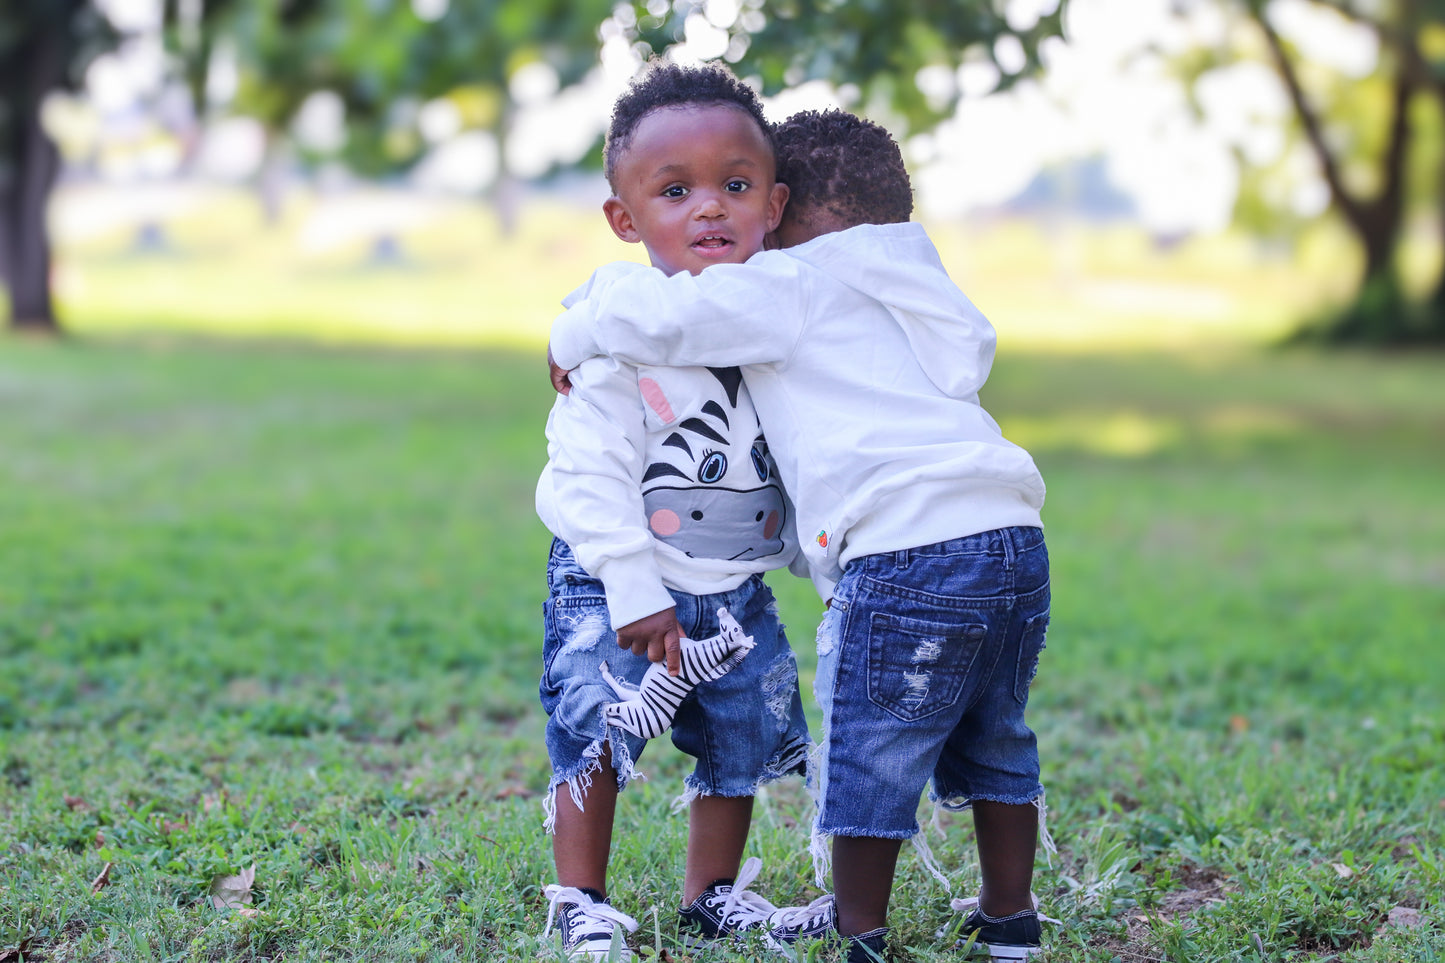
713 242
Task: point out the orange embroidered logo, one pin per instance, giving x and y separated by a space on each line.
823 538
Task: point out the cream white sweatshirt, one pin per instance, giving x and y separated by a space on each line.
658 478
864 361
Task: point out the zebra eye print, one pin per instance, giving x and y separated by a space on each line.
647 710
714 466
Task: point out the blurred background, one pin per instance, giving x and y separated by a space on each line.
1111 173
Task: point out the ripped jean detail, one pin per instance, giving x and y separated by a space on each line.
740 728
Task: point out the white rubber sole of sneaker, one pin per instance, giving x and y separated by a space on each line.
1003 952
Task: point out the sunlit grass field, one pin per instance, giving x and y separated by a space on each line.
400 268
272 606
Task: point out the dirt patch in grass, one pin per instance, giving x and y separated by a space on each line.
1198 887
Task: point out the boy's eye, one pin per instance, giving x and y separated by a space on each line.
676 190
736 187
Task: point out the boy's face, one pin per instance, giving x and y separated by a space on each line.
696 187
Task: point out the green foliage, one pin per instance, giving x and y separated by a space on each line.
877 46
381 59
278 607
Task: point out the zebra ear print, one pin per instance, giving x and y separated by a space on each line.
648 710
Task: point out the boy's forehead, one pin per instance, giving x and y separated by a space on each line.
670 126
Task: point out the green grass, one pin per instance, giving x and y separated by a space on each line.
273 606
458 282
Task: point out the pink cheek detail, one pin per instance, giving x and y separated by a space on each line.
664 522
770 527
656 400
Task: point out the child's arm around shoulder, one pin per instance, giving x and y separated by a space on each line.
729 314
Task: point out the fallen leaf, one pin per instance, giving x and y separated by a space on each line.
1405 917
233 892
76 804
1344 871
1238 724
103 880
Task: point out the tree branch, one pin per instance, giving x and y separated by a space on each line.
1329 166
1402 39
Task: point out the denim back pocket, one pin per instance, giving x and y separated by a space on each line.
917 668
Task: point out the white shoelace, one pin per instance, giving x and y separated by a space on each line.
800 917
590 908
743 906
970 903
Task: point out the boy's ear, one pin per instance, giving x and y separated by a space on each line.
776 202
620 219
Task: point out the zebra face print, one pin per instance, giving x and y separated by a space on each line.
710 489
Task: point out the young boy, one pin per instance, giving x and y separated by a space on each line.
666 507
919 521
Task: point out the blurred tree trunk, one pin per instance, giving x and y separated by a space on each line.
506 190
34 69
1379 313
271 180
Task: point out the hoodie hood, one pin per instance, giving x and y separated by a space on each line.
898 266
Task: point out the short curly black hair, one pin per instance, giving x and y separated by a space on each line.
673 85
852 168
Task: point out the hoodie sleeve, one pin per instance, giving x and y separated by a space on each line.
729 314
594 439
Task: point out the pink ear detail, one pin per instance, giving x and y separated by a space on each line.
656 400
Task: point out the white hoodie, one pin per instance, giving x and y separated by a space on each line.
864 361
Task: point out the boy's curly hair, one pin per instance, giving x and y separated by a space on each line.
673 85
844 164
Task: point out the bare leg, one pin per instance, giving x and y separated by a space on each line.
1007 836
862 881
717 831
582 841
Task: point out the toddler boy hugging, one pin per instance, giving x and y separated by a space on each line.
919 521
666 507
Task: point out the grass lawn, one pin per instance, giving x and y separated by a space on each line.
277 607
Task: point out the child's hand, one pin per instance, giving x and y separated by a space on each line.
560 382
657 636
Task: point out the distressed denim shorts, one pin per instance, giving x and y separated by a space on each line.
744 729
924 662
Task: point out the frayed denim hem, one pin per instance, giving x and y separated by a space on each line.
958 804
790 760
822 856
580 781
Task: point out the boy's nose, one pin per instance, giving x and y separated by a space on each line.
711 206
